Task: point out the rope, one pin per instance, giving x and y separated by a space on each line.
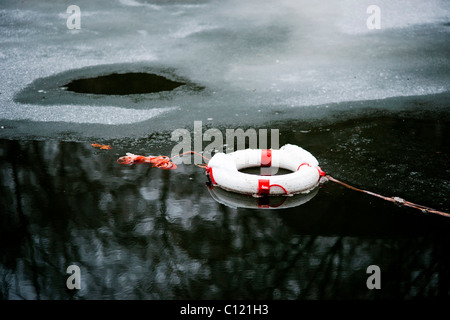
396 200
161 162
101 146
280 186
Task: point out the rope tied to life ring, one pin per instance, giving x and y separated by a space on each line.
161 162
397 200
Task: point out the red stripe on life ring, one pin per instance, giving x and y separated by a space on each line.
321 172
209 171
263 186
266 158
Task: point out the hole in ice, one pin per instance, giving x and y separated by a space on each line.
123 84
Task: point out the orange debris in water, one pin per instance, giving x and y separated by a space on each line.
101 146
162 162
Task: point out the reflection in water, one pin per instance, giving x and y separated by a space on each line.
237 200
141 233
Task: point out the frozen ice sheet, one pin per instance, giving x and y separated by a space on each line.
257 60
81 114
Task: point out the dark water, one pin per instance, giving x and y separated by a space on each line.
143 233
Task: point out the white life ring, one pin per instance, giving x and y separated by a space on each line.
223 171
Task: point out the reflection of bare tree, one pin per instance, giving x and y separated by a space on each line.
143 233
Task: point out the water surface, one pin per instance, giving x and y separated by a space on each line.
139 232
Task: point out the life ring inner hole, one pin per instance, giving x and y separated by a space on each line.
266 171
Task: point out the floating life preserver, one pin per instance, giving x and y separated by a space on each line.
237 200
223 171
